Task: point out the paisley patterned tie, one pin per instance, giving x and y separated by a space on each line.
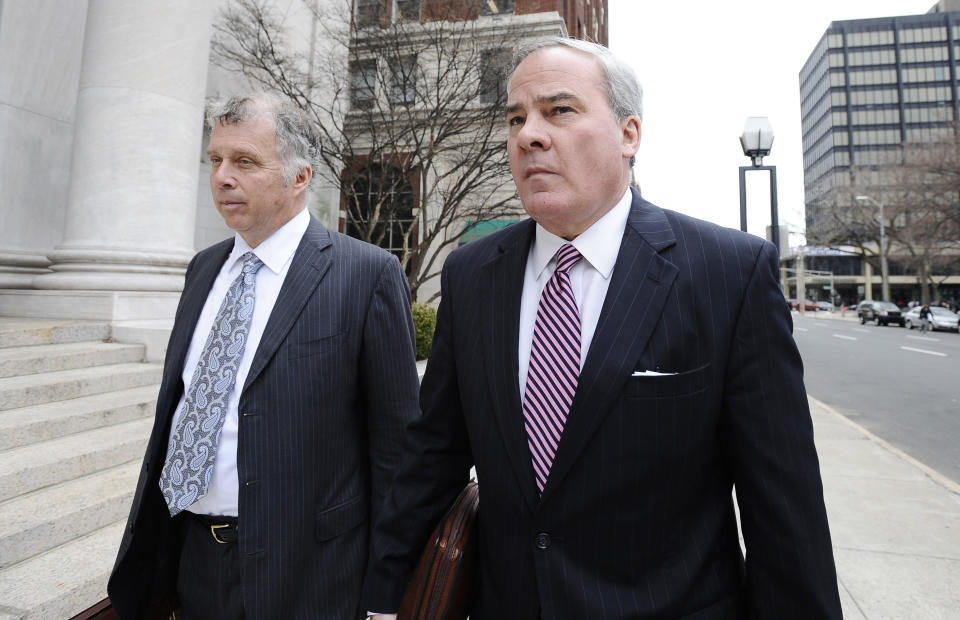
186 472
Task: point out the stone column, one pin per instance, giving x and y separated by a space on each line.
867 280
129 223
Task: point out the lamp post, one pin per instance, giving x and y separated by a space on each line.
884 269
757 140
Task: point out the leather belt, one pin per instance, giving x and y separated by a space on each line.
222 529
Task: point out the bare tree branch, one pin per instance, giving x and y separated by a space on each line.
411 131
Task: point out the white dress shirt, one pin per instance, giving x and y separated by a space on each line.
276 252
590 277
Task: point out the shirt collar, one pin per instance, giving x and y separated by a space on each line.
599 244
276 249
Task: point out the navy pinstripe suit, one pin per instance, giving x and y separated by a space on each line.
330 389
636 519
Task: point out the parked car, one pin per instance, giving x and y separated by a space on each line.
825 305
808 304
940 319
883 312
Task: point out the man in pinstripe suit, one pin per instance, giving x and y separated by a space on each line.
613 370
324 386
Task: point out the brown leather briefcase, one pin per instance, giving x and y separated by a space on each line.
440 588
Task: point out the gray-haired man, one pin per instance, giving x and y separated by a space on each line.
288 380
612 369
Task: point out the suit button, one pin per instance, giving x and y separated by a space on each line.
543 541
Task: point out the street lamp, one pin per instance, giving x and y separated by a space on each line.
757 140
884 269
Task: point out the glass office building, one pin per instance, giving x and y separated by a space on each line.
869 86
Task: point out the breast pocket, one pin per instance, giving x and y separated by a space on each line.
687 383
316 346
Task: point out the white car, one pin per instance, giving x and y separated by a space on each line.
940 319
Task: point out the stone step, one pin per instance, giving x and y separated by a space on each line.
35 359
63 581
27 468
65 384
26 425
17 332
36 522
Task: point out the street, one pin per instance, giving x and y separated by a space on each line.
900 384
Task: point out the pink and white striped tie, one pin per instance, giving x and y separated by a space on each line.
554 365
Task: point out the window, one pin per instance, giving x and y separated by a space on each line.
363 84
403 80
938 114
367 13
406 10
926 93
496 7
381 192
873 96
877 37
493 76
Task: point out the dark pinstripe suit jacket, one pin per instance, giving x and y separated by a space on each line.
636 519
331 387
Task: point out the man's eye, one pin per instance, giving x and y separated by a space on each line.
515 121
245 162
562 109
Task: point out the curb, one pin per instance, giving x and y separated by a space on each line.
933 474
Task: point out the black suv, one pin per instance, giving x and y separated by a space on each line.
883 312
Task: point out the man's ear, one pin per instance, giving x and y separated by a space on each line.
302 180
630 136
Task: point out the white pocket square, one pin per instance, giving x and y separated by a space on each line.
651 373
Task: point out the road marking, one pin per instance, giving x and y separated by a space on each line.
861 330
924 351
821 324
842 337
802 329
924 339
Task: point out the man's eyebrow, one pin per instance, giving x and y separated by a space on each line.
554 98
234 153
561 96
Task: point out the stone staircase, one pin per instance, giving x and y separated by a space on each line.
75 415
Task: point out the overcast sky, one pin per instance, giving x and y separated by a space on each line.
706 66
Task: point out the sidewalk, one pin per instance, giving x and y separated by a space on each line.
895 525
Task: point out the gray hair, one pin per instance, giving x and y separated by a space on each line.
297 139
624 93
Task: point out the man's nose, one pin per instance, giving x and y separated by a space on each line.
222 175
534 133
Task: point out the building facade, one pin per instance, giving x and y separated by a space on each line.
434 72
103 181
870 88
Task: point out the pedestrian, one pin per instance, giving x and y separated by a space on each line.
613 370
925 318
288 379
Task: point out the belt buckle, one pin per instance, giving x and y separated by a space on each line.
213 532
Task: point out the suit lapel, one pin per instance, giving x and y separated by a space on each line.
638 290
309 264
501 287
